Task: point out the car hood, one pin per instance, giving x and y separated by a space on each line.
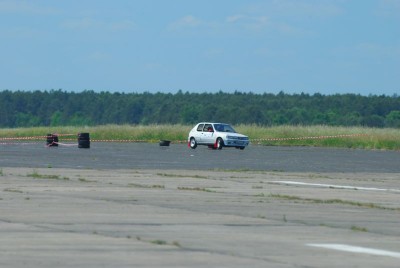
234 134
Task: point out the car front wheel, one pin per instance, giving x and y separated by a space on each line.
193 143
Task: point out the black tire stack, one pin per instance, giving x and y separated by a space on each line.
83 140
52 140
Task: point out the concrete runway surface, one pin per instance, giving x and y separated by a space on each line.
76 212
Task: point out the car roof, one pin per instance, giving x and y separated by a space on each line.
212 123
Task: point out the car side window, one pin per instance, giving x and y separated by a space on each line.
208 128
200 127
219 127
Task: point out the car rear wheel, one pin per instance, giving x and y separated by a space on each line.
219 144
193 143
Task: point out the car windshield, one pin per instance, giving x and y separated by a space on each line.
224 128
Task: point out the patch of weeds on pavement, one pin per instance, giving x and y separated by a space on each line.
318 176
236 170
257 187
358 229
159 242
13 190
85 180
259 216
36 175
181 176
327 201
327 225
196 189
278 170
163 242
137 185
1 172
176 243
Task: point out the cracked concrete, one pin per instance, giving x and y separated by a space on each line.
65 217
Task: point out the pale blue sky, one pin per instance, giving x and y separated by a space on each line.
342 46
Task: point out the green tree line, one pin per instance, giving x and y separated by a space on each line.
60 108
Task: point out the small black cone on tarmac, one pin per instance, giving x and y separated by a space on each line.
83 140
164 142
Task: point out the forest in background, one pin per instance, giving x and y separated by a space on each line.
89 108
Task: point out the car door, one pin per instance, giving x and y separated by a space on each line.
198 134
208 134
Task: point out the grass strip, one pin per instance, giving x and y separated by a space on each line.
373 138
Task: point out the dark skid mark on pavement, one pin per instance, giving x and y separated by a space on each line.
179 156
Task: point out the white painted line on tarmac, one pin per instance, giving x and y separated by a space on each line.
334 186
354 249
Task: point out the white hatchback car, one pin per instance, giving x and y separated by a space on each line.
216 135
